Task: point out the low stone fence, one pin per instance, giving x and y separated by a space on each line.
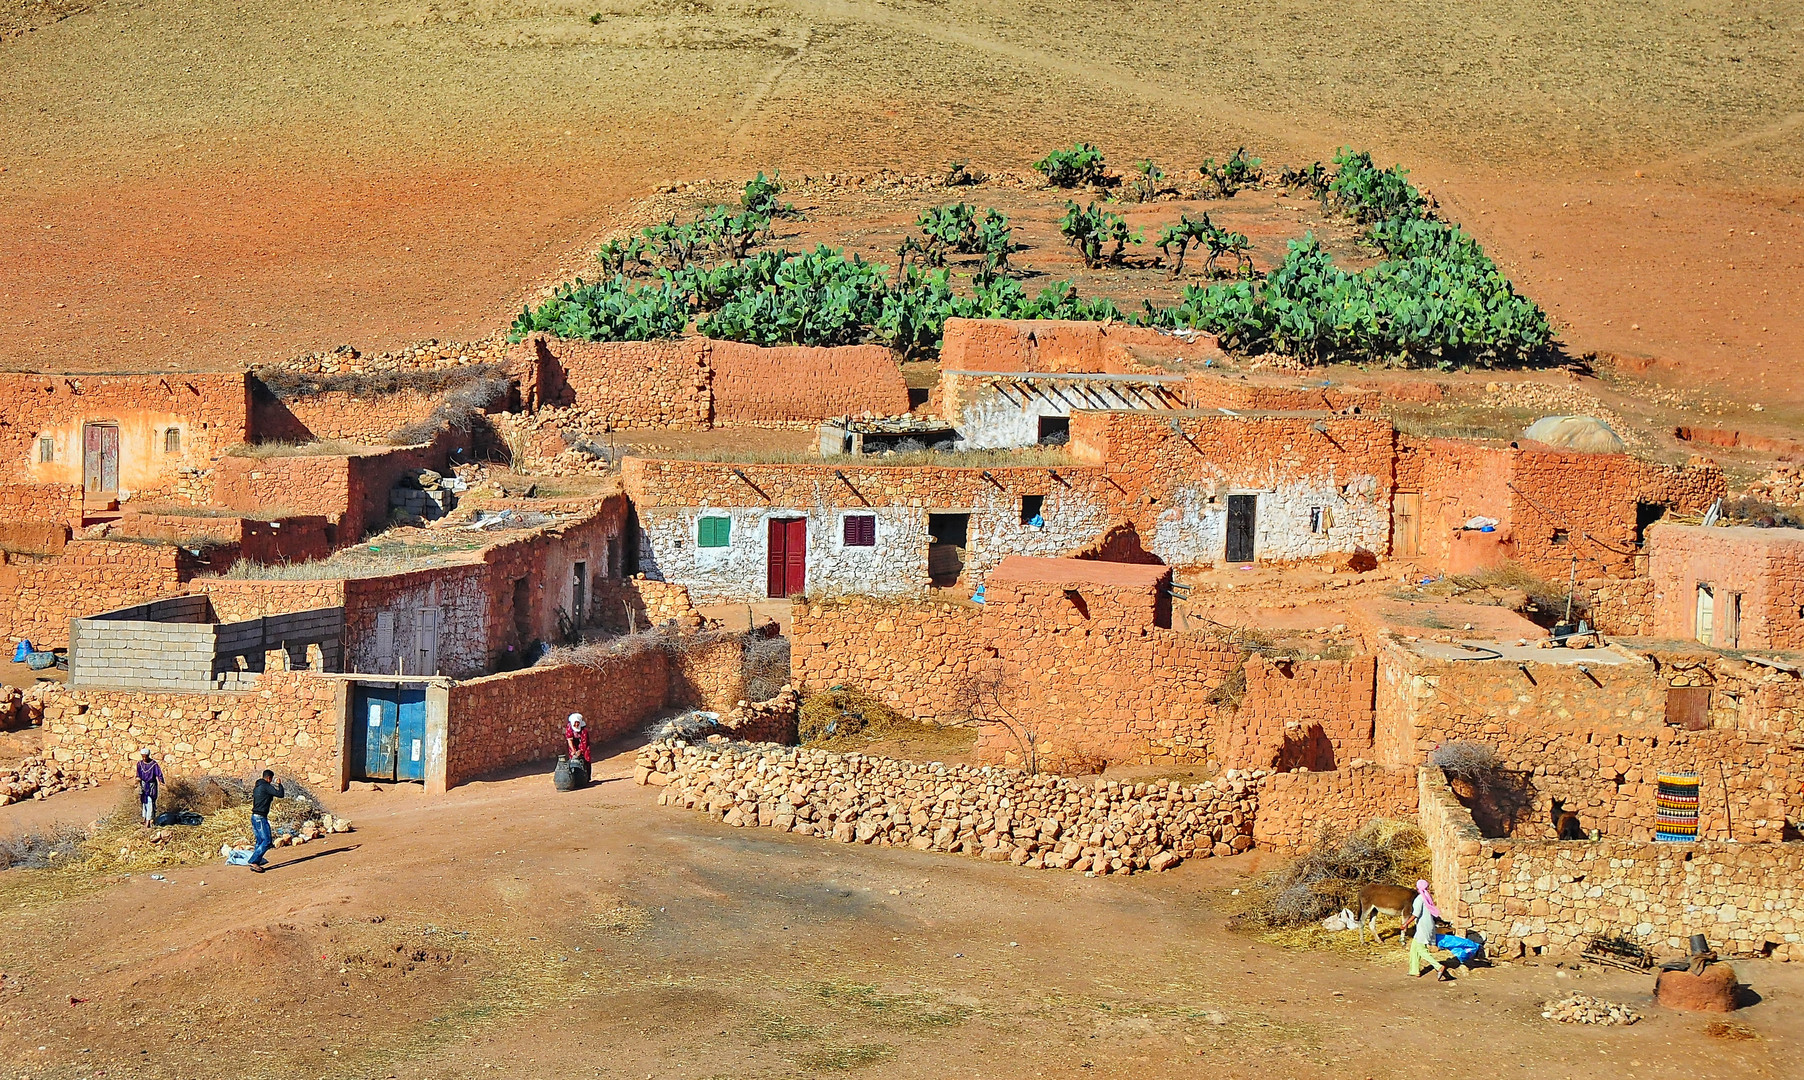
1535 894
1037 821
1295 806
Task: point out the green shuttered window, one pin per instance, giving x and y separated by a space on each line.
714 532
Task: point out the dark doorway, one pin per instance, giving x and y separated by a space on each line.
788 570
1055 430
1242 518
947 535
523 610
579 594
629 544
1645 515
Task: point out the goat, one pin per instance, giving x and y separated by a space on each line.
1375 900
1565 823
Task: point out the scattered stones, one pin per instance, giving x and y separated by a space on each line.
1003 815
1585 1009
37 778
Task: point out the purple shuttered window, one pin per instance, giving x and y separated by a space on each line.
861 530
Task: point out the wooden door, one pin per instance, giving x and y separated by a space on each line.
425 647
100 457
1706 615
1406 524
579 595
1242 518
788 568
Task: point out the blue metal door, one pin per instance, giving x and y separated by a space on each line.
410 707
377 711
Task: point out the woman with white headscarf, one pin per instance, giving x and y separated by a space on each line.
576 738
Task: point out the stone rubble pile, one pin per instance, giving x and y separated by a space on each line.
422 493
1784 485
425 354
37 778
770 720
24 708
1585 1009
1005 815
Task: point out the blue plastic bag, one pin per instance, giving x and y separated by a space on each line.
20 650
1463 949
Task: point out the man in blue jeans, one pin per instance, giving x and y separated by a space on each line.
266 792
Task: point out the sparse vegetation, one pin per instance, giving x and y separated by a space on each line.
842 712
1080 165
1327 877
1099 236
1222 180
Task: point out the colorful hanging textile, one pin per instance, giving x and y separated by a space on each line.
1678 807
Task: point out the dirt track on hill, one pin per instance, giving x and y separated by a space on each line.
205 183
507 930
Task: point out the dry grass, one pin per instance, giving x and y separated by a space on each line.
364 561
845 712
318 448
168 509
291 384
121 843
1327 877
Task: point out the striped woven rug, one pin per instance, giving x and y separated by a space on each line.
1678 807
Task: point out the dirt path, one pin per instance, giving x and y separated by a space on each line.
504 930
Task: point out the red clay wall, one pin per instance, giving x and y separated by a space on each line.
40 594
623 385
518 716
290 540
210 411
1312 714
1051 345
336 415
798 385
37 517
351 491
1764 567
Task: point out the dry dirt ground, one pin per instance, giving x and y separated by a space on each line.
208 182
506 930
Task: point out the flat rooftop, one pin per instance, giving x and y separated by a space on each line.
1079 572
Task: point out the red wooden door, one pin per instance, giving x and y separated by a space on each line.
788 570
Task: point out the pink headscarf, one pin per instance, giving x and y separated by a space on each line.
1422 891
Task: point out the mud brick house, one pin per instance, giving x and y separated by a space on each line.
117 435
697 383
1553 508
1735 588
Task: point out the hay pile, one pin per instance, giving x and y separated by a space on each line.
1327 877
843 712
120 842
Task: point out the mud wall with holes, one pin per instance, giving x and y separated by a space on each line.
672 496
1530 895
36 517
207 412
1757 574
1596 740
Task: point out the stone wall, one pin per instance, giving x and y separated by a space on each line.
208 412
257 540
1038 821
992 410
336 415
293 723
797 385
1294 807
1311 714
1596 739
40 594
1537 894
918 658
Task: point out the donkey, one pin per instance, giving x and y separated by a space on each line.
1376 900
1565 823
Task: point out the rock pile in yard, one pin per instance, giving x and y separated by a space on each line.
1585 1009
37 778
1037 821
23 708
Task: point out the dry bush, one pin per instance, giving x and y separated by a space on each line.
841 712
1327 877
33 851
316 448
460 409
122 843
765 667
1466 760
1544 597
290 384
1761 513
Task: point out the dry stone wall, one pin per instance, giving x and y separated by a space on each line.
1294 807
1037 821
40 594
1537 894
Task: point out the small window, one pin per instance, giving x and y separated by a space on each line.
1031 510
46 448
861 530
1560 536
172 441
1055 430
1318 520
714 532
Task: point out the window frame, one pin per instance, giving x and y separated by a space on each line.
172 440
1039 510
714 536
846 538
46 449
